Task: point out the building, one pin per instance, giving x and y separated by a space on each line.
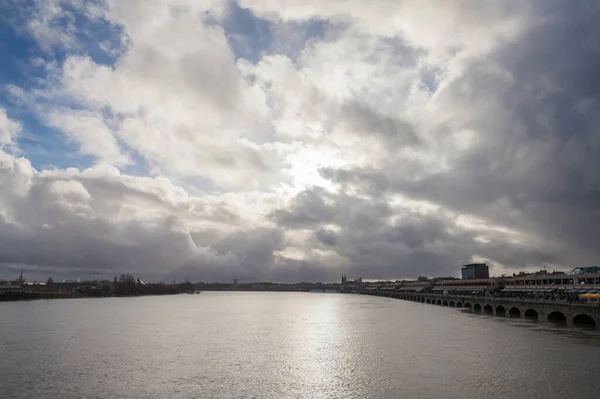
10 288
357 281
475 271
584 270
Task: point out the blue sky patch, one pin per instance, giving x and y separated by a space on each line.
22 66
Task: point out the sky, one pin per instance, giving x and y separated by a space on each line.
297 140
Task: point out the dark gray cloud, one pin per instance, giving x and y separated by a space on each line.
326 237
381 242
364 120
534 106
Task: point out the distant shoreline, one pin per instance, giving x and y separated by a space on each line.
32 296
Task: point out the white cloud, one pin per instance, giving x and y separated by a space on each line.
441 27
9 129
180 100
52 23
89 129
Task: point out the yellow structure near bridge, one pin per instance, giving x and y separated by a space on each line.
590 298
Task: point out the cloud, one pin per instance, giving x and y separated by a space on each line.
51 24
309 139
440 27
175 97
71 221
9 129
521 160
91 132
387 237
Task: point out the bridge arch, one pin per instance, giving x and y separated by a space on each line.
459 304
451 304
428 301
445 303
557 317
583 320
487 309
467 305
500 311
531 314
514 312
439 301
477 308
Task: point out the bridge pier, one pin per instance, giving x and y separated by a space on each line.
553 317
500 311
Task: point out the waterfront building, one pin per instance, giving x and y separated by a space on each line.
351 285
475 271
553 279
357 281
9 288
584 270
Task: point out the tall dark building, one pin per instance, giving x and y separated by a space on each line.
475 270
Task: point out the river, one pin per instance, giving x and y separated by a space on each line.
284 345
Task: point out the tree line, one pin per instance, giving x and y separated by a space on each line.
127 285
123 285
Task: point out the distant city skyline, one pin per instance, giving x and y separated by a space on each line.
342 278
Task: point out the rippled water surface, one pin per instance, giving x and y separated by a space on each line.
284 345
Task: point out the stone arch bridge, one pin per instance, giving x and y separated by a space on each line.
557 312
